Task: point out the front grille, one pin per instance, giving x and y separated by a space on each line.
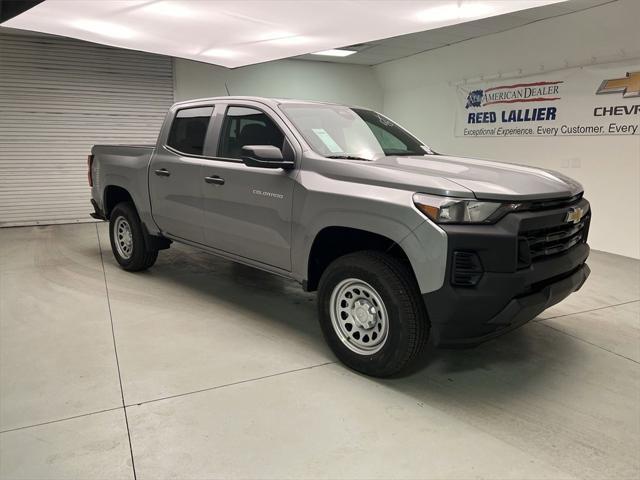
549 204
544 242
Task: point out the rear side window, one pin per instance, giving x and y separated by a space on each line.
189 130
247 126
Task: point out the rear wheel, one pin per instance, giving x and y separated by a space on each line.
127 239
371 313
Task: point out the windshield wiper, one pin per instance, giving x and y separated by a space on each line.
404 153
349 157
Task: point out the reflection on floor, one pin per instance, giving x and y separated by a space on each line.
224 374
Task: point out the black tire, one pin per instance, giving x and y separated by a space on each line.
408 325
140 257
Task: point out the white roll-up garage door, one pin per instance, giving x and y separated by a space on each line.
58 97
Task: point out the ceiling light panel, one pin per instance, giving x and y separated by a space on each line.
335 52
236 33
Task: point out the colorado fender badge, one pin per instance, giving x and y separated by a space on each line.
574 215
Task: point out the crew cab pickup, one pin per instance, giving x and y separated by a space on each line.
402 243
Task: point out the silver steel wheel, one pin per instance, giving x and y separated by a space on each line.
358 316
123 237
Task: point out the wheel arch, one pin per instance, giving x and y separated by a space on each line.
332 242
113 195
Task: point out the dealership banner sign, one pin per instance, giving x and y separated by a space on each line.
598 100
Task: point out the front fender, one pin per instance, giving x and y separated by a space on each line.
384 211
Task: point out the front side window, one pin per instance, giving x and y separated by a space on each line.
337 131
189 130
247 126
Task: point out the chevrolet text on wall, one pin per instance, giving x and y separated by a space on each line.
596 100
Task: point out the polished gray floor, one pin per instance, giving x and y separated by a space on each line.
201 368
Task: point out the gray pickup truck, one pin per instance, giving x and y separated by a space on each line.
402 243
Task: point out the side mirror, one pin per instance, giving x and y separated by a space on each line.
266 156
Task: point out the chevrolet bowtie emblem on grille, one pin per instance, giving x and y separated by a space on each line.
574 215
629 86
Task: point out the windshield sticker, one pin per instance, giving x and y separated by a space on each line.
329 142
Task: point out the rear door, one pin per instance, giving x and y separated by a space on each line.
247 210
176 175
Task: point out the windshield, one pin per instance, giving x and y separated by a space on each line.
341 132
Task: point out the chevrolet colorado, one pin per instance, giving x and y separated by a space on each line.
402 243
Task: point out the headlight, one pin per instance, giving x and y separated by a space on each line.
461 210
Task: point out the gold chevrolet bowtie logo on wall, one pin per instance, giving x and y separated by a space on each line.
629 86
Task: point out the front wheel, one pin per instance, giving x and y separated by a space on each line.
127 239
371 313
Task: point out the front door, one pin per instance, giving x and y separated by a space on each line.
176 176
247 210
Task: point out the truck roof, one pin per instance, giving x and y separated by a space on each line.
265 100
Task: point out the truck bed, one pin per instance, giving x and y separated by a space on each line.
122 150
124 166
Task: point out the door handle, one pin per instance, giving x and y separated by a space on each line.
214 179
163 172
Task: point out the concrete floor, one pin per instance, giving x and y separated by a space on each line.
223 373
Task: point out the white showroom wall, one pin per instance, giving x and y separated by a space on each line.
300 79
419 92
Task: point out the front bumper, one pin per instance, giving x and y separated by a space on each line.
511 291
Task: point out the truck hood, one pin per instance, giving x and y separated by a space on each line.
486 179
